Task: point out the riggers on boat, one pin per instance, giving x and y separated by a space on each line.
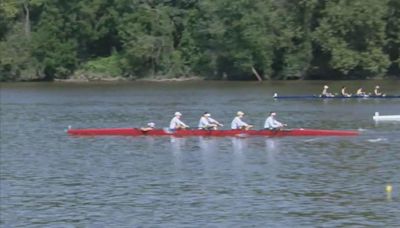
378 117
208 133
276 96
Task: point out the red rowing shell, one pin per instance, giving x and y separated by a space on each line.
213 133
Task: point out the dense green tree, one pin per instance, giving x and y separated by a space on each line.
16 61
233 39
352 33
8 11
393 36
147 39
230 42
273 37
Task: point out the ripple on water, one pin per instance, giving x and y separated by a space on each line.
49 179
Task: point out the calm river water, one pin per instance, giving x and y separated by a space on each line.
49 179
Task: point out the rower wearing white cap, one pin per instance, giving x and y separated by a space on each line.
271 123
325 92
176 123
208 123
344 93
360 92
150 126
377 92
238 123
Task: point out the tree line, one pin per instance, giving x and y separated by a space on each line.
215 39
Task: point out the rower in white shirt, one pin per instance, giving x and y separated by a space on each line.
360 92
325 92
344 93
238 123
271 123
208 123
377 92
176 123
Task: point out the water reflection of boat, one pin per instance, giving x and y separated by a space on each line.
238 144
176 148
271 145
177 143
207 147
207 144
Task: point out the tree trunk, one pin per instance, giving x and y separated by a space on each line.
256 74
27 20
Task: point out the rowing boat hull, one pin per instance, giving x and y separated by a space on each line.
209 133
335 97
387 118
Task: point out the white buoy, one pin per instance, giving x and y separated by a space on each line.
378 117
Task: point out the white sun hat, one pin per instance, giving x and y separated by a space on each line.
178 114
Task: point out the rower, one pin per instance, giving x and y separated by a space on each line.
325 92
208 123
150 126
238 123
360 92
344 93
377 92
272 124
176 123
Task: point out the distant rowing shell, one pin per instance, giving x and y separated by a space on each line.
378 117
276 96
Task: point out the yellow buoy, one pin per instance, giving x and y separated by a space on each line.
389 188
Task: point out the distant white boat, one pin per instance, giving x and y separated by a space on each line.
378 117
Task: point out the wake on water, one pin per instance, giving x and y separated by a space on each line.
377 140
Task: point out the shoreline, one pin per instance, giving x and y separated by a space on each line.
96 79
122 79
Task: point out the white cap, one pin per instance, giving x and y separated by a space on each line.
240 113
178 114
273 113
151 124
207 114
326 87
377 87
